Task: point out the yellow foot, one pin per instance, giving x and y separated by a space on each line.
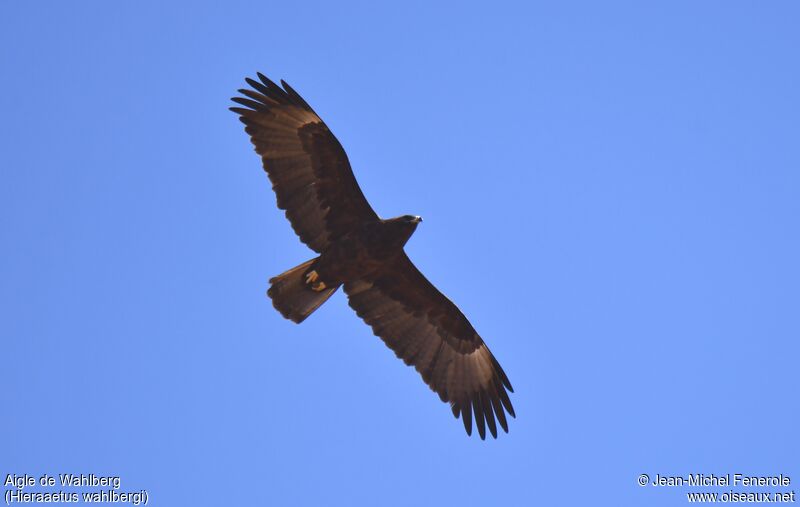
312 279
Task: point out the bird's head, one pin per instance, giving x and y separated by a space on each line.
412 219
410 222
403 227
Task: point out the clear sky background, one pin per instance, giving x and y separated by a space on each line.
611 194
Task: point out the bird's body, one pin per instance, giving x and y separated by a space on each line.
363 251
356 255
364 254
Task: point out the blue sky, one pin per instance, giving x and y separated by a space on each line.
610 193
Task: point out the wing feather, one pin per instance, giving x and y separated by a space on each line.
311 176
427 331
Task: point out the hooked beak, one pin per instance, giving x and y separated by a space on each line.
417 219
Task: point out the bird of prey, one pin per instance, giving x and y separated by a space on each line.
363 253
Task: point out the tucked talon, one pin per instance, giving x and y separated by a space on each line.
312 277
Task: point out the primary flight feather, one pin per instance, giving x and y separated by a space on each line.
363 253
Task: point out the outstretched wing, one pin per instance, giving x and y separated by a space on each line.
308 168
426 330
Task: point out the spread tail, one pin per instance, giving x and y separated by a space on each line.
293 296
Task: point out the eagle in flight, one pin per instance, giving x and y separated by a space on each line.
363 253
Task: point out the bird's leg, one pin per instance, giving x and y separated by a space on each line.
312 278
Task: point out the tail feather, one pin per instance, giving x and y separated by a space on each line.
293 297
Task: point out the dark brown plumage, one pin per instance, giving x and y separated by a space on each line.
316 187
